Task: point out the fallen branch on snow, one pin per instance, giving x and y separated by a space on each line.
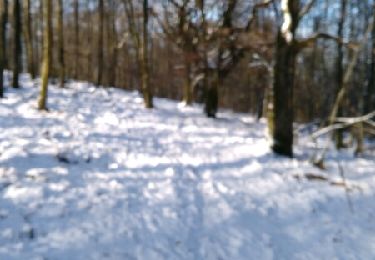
344 123
322 178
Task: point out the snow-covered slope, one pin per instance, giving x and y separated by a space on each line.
99 177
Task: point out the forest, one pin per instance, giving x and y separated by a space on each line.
187 129
253 57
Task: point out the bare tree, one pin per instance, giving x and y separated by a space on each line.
27 33
47 40
99 76
183 34
369 99
60 32
17 42
4 24
3 5
339 134
141 46
287 48
112 44
76 38
147 96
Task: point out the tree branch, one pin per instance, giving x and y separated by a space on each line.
257 6
306 8
343 123
307 42
348 74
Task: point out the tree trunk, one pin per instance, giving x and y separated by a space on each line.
359 136
76 39
268 101
209 92
4 32
17 42
2 44
39 37
147 96
212 95
188 95
339 134
114 51
283 97
47 39
99 76
60 26
286 53
28 38
369 99
89 36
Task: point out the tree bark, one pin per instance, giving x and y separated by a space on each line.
283 97
339 134
39 37
99 76
369 99
286 53
3 5
47 40
60 26
28 38
188 95
212 96
89 36
114 51
4 24
147 96
76 38
17 43
209 92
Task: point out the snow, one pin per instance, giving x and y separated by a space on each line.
100 177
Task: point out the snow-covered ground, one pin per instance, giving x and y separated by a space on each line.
100 177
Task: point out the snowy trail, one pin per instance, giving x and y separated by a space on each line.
99 177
